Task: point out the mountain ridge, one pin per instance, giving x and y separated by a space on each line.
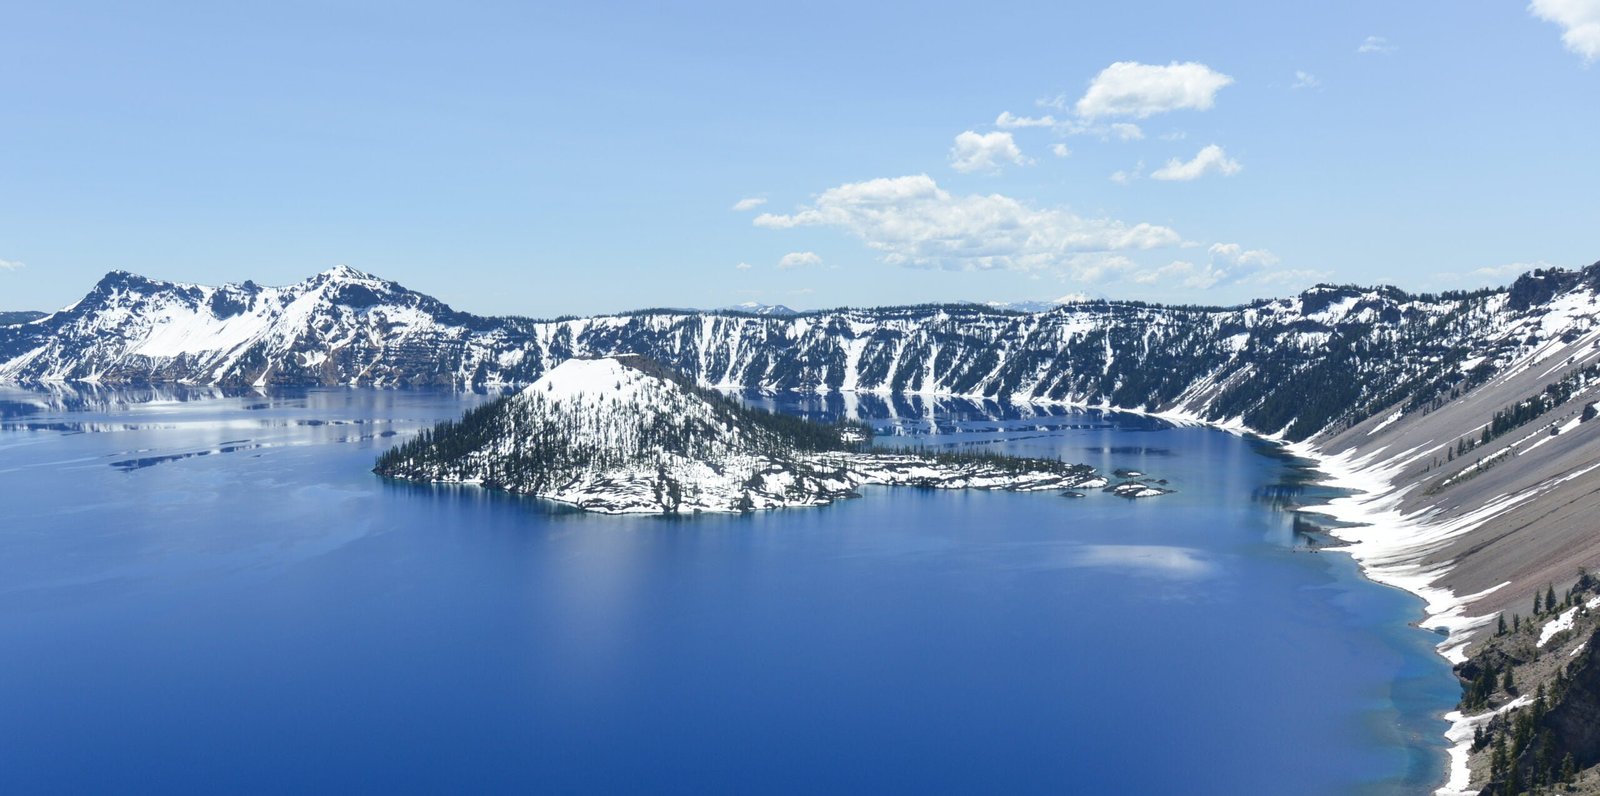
347 327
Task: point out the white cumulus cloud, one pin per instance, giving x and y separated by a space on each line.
1060 150
1303 79
911 221
9 265
1580 23
1211 160
984 152
744 266
1129 88
799 260
748 203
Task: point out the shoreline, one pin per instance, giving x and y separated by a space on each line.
1389 550
1392 548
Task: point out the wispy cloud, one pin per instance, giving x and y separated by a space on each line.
1007 121
1210 160
10 265
748 203
1303 79
1229 264
744 266
799 260
1489 274
1375 44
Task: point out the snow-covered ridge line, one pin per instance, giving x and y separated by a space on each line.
1270 363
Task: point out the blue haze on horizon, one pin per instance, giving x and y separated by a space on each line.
543 160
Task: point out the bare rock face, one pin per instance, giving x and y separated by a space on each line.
1574 720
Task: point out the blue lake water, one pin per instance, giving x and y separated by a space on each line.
204 594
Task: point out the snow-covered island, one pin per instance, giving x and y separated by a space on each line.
624 435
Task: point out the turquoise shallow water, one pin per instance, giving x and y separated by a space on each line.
213 594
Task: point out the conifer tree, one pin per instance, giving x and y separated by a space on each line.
1508 683
1500 627
1543 766
1550 597
1569 770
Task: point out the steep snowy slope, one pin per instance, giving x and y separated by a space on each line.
1490 492
622 435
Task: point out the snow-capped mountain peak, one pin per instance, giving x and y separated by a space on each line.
758 308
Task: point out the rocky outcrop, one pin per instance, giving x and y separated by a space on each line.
1574 720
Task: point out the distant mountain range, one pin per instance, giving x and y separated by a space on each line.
1040 306
757 308
25 316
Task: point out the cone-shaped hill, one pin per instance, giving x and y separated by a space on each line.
625 435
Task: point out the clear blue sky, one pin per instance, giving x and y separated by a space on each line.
587 158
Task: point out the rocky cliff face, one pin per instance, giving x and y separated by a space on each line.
1574 721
